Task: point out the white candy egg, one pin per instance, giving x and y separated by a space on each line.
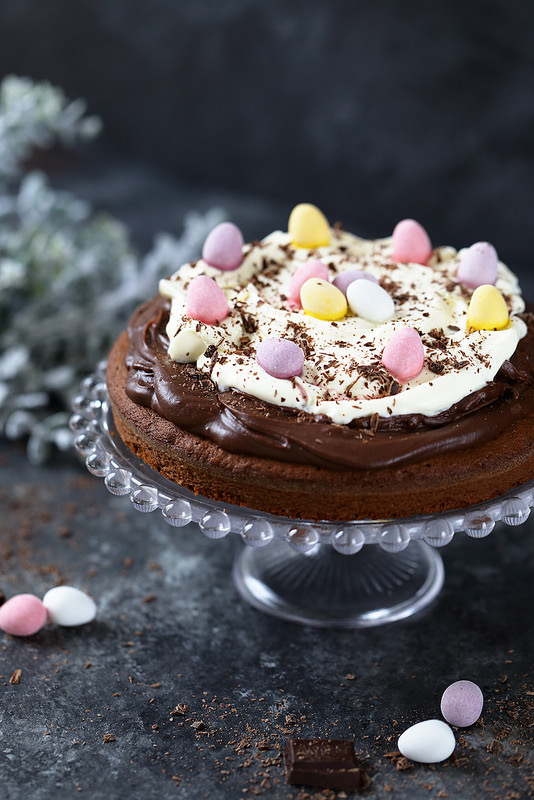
427 742
69 606
368 300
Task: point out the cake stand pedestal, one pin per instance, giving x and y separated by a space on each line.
351 574
324 588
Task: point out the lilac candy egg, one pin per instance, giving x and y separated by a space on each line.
280 358
478 265
22 615
206 301
344 279
461 703
223 248
311 269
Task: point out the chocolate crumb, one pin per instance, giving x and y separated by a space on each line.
15 678
437 367
180 710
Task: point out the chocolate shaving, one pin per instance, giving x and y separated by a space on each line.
437 333
437 367
249 323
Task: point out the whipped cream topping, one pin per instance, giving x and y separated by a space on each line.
343 377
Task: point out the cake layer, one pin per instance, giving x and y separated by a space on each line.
239 450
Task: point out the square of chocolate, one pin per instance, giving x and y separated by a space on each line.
325 763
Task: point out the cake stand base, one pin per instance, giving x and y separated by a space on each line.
323 588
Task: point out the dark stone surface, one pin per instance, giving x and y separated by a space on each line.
172 629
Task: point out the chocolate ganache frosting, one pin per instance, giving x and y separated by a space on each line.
242 424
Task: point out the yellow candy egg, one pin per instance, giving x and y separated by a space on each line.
308 227
322 300
487 310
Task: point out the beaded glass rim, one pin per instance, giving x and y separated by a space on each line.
107 457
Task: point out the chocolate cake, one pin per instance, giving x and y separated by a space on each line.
318 375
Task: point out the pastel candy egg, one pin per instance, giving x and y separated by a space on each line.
344 279
427 742
206 301
404 354
461 703
311 269
186 347
223 247
280 358
368 300
478 265
69 606
411 243
487 310
22 615
308 227
323 300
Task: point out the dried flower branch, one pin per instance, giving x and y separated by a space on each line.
68 277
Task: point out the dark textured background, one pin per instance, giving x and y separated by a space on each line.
373 110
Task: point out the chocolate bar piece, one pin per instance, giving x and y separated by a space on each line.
325 763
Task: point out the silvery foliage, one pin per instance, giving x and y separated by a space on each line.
69 277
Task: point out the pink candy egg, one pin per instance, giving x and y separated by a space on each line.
311 269
411 243
22 615
344 279
280 358
223 247
404 355
478 265
206 301
461 703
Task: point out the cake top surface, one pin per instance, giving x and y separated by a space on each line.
320 320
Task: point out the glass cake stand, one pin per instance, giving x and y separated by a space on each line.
352 574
